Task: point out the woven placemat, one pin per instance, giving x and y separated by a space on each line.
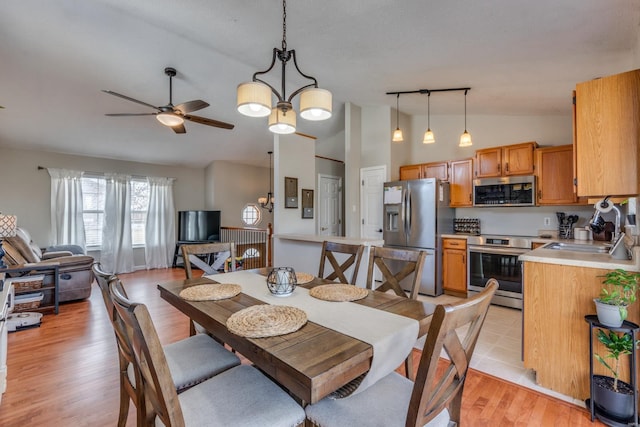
338 292
210 292
260 321
302 278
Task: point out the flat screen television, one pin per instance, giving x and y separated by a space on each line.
198 226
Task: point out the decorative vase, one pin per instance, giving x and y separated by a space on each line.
281 281
618 404
608 315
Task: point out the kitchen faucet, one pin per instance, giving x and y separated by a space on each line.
617 249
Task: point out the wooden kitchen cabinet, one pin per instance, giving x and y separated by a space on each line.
461 183
555 175
410 172
607 122
454 266
509 160
438 170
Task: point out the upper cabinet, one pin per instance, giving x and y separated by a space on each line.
607 122
555 176
517 159
438 170
461 183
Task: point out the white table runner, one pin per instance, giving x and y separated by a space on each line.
392 336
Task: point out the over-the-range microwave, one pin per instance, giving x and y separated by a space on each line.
505 191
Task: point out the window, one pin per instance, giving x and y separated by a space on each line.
93 197
251 214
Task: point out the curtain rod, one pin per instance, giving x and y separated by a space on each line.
102 174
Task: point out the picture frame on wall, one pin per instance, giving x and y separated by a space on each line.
307 203
290 192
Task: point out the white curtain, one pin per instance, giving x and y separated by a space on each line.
160 229
67 225
117 250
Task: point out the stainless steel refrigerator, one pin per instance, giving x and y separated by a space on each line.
416 214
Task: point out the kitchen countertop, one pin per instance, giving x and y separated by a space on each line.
339 239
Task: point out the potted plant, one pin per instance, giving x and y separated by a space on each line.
610 394
619 291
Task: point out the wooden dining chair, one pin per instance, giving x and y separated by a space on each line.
339 270
241 395
191 360
435 398
404 262
202 255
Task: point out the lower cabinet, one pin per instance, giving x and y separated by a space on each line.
454 266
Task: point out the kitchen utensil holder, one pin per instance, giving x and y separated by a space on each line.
565 231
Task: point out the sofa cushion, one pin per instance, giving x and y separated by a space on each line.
22 246
11 254
24 235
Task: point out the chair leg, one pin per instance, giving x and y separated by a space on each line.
124 404
408 366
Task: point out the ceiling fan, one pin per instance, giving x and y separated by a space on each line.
171 115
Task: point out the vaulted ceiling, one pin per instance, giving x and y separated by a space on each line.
519 58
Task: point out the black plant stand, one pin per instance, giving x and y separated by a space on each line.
627 328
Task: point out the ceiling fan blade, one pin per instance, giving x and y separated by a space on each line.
209 122
189 106
130 99
130 114
179 128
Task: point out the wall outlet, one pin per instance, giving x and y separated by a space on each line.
547 221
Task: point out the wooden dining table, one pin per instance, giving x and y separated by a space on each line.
310 363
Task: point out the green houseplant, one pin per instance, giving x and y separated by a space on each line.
612 395
619 291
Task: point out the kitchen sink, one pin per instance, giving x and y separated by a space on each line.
578 247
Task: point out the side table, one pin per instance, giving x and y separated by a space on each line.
51 300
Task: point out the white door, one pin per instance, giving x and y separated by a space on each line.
329 205
371 181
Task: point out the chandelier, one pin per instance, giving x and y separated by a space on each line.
267 202
254 98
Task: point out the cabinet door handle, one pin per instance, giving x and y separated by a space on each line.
506 167
499 167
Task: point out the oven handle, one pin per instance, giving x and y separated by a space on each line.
492 250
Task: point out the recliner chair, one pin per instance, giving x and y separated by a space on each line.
75 270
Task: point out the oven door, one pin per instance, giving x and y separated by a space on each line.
502 264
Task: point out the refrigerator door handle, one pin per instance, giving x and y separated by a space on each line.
407 207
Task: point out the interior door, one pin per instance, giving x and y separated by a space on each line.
330 205
372 182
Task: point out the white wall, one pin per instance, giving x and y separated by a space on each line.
230 186
333 147
352 147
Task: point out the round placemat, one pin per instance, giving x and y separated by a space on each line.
338 292
302 278
260 321
210 292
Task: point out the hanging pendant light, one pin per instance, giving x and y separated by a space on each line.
465 138
397 134
428 138
267 202
254 98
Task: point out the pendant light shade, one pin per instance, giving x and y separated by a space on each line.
282 122
169 118
254 99
315 104
397 134
465 138
428 138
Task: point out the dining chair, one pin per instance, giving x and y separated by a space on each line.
396 264
339 270
202 255
240 396
435 397
191 360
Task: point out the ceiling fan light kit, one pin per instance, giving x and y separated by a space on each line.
254 98
170 119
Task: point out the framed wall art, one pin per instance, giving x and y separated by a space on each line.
290 192
307 203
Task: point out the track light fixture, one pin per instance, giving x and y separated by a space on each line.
254 98
428 138
465 138
397 134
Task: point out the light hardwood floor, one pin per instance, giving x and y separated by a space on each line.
65 373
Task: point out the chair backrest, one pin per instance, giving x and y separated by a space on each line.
103 278
436 389
339 270
149 358
387 260
209 250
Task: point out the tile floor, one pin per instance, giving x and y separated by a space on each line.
499 348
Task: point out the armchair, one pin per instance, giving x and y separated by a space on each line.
75 271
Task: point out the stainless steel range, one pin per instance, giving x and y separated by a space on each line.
497 257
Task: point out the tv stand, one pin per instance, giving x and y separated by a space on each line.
177 253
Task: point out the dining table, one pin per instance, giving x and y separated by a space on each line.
313 361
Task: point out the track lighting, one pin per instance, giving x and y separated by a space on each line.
428 138
465 138
397 134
